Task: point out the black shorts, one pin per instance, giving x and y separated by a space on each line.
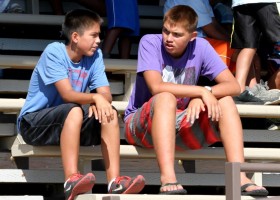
44 127
252 20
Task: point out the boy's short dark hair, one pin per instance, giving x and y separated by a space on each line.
77 21
182 14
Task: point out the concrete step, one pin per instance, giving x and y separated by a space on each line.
26 197
154 197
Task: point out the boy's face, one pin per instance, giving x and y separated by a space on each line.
176 38
89 41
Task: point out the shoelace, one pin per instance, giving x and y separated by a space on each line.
75 177
264 84
118 179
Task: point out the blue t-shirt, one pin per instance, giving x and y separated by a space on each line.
54 65
199 59
202 8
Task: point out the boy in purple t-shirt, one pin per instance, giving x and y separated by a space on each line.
168 110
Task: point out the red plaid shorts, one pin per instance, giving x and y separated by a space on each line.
201 134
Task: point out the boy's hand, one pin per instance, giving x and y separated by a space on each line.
195 106
102 109
212 104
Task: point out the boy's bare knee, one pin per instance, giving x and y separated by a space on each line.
116 118
76 111
75 114
227 104
226 100
166 96
165 100
113 122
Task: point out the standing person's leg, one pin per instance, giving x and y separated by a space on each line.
243 66
245 36
271 26
256 72
114 27
274 80
232 137
110 39
123 20
124 46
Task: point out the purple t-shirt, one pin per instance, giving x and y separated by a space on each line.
199 59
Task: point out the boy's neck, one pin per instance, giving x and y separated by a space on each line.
73 55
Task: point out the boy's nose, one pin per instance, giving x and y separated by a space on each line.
169 37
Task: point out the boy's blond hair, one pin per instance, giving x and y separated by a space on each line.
184 15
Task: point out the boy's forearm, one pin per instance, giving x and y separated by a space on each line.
180 90
86 98
82 98
220 90
225 89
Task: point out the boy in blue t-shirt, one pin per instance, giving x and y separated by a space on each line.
58 111
168 110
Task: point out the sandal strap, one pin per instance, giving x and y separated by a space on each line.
244 187
168 184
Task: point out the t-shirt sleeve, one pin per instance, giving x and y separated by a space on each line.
98 76
149 53
51 66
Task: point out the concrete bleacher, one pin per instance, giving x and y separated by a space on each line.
267 151
21 150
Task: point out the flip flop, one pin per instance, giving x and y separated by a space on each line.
172 192
259 192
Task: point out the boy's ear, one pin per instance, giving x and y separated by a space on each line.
75 37
194 35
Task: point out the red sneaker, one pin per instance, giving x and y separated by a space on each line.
127 185
78 184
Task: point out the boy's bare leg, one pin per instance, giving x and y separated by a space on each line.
231 131
274 81
110 144
243 65
163 134
70 141
110 40
124 47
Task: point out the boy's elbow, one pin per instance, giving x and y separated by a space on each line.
154 90
157 88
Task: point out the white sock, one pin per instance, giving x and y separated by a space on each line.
110 183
